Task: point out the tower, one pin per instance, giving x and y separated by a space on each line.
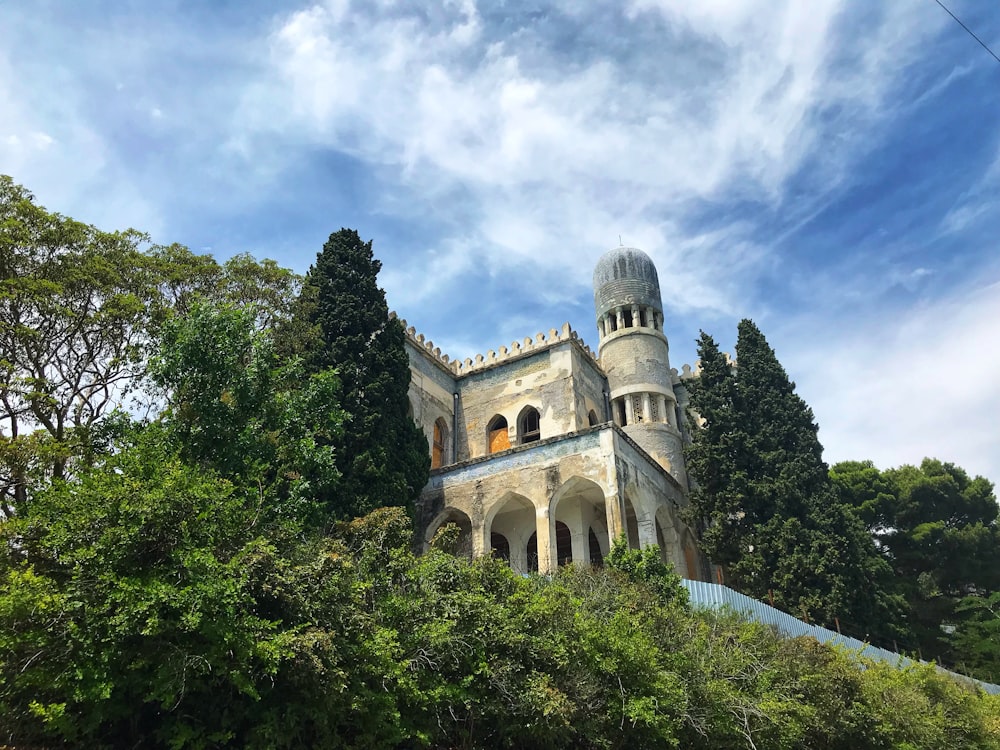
634 354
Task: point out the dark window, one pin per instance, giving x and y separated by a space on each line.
564 544
533 552
592 418
530 426
500 547
596 557
627 318
642 317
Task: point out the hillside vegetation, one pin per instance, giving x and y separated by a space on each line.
205 477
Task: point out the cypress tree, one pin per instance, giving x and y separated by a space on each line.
343 322
763 491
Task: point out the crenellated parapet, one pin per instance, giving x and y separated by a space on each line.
687 372
492 357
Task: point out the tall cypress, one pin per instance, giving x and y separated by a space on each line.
763 491
343 323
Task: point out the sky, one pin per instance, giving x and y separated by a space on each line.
830 169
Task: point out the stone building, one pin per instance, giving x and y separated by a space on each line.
543 452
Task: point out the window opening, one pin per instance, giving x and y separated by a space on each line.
530 427
642 317
499 438
592 418
627 318
532 550
437 447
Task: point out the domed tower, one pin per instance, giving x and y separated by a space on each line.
635 354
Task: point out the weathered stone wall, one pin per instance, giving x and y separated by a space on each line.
541 380
431 395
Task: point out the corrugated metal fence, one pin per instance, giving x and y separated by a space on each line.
716 596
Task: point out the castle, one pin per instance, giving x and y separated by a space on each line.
543 453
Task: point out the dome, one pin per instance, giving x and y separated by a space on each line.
625 276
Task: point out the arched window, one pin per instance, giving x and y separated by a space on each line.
499 439
438 446
529 426
592 418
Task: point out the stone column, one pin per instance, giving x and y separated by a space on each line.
646 414
615 517
480 544
635 316
620 317
661 405
647 531
545 530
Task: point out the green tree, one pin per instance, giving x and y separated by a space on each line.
937 527
343 323
73 308
765 496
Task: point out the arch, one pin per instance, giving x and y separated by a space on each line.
529 426
513 518
579 504
439 444
460 519
498 437
592 418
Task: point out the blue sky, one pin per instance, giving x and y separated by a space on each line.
830 169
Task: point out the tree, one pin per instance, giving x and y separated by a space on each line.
234 409
764 494
937 528
73 308
343 323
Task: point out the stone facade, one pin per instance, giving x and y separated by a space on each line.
543 452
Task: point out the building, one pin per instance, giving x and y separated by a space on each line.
543 452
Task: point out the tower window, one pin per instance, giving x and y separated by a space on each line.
530 426
592 418
627 317
642 317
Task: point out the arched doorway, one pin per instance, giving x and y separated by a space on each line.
513 518
457 517
579 505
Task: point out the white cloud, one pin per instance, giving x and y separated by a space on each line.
557 157
921 383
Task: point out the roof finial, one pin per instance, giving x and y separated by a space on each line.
620 243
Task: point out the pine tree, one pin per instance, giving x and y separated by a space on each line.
343 323
764 494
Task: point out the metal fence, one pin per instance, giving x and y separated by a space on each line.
717 596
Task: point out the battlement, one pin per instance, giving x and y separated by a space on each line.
492 357
687 372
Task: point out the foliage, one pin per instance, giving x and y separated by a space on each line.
342 322
764 497
80 310
234 409
937 528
